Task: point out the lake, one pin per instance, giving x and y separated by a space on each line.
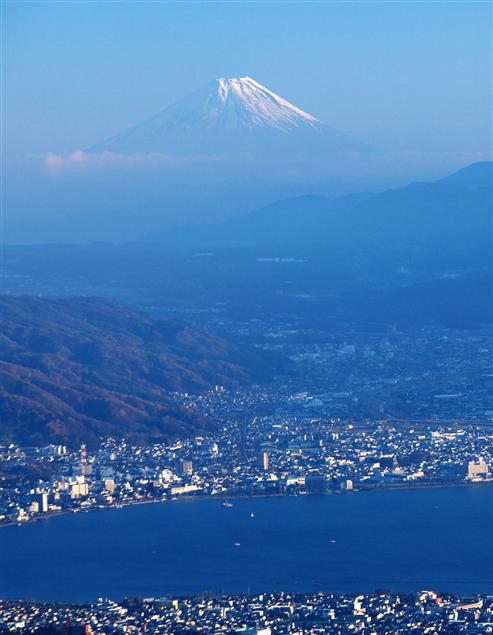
404 540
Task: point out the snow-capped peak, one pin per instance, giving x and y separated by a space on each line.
234 114
254 105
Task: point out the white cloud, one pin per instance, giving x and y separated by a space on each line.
80 160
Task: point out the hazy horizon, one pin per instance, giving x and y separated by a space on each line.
391 76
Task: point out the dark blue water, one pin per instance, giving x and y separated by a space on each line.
402 540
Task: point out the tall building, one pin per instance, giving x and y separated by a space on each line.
42 499
109 485
85 467
263 461
79 488
84 489
185 467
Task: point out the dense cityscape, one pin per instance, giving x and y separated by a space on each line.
258 457
381 613
431 373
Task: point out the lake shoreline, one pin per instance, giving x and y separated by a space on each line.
221 498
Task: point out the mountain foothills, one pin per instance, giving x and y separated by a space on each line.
79 369
452 214
412 256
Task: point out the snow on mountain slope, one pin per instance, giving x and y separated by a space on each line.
233 114
245 103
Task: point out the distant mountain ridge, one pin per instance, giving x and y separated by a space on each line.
456 210
78 369
478 174
278 223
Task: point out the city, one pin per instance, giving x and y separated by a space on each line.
381 613
247 458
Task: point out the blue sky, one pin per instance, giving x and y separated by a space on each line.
409 76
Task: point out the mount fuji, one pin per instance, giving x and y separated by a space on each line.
229 148
234 115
